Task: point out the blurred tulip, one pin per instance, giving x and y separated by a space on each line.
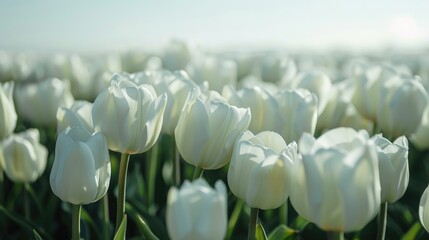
420 138
259 172
22 157
276 69
297 113
393 166
336 185
197 211
424 209
130 116
217 72
207 130
262 104
8 115
39 102
79 114
178 54
402 103
81 170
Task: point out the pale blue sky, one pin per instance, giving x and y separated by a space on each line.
120 25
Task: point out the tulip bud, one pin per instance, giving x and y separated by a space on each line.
424 209
178 54
130 116
81 170
39 102
259 172
196 211
22 156
336 185
393 165
79 114
207 130
8 115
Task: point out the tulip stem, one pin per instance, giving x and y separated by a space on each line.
106 217
26 201
76 222
153 165
382 220
234 217
176 164
284 213
198 172
122 185
335 235
252 223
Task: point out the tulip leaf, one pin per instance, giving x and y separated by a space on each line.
36 235
299 223
282 232
413 232
260 232
22 222
122 230
144 229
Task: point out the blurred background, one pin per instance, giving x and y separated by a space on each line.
100 26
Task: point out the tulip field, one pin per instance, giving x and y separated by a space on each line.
192 144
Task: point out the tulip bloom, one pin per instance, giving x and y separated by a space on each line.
196 211
259 172
39 102
130 116
8 115
79 114
393 165
207 130
336 185
22 156
81 170
424 209
262 104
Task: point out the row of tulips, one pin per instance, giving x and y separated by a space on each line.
261 134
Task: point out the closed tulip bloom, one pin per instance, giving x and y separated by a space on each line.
217 72
81 170
420 138
393 165
262 104
297 113
424 209
130 116
178 54
39 102
395 115
8 115
197 211
207 130
259 172
79 114
336 184
275 69
22 157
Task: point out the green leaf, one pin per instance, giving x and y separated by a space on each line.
260 232
36 235
299 223
412 232
282 232
122 230
144 228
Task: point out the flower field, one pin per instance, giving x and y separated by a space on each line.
187 143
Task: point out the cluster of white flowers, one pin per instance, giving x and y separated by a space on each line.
329 133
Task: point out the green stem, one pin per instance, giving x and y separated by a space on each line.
252 223
153 166
198 172
234 217
382 220
335 235
122 185
176 164
26 201
284 213
76 222
106 217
